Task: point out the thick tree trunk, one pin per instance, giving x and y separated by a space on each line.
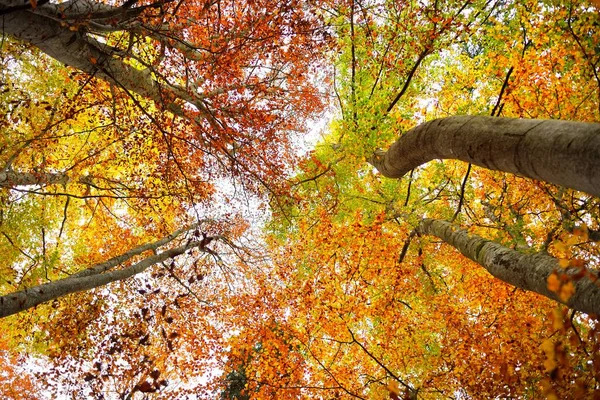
75 49
528 272
49 27
96 276
561 152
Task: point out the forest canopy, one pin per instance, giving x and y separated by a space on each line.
272 199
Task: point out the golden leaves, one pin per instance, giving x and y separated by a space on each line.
554 282
572 269
566 291
562 284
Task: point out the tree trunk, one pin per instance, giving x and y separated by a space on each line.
50 28
10 179
525 271
96 276
561 152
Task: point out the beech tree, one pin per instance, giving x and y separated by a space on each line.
238 93
561 152
510 145
119 153
145 144
383 291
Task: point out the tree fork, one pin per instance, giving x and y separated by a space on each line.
525 271
565 153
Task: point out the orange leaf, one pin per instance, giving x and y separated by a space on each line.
578 262
553 282
581 231
566 291
394 390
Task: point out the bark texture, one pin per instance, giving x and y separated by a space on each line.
525 271
98 275
565 153
66 32
10 179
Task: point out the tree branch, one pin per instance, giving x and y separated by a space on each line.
565 153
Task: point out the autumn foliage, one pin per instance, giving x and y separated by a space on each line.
165 198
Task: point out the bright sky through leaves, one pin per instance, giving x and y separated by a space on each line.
167 232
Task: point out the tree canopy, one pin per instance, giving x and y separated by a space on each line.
267 199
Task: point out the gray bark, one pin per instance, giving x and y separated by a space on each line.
565 153
10 178
48 28
525 271
75 49
96 276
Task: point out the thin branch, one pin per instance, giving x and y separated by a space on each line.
422 56
17 247
406 245
462 193
496 109
406 385
410 179
573 312
185 286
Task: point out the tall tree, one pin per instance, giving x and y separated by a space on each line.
561 152
169 115
384 307
180 105
123 155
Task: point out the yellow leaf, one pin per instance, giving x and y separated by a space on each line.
572 240
550 364
560 246
582 232
558 321
547 347
563 262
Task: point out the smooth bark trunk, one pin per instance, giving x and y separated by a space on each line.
96 276
49 27
565 153
525 271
